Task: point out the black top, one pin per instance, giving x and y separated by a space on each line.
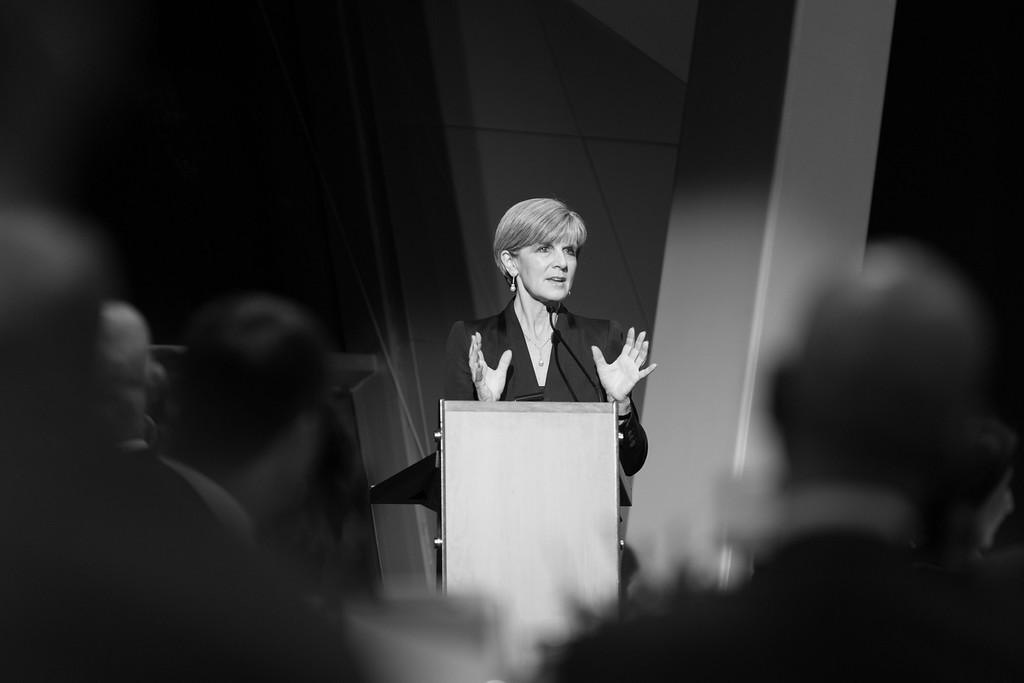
566 380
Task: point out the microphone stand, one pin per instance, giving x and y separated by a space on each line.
556 339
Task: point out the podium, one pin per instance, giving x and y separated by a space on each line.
528 495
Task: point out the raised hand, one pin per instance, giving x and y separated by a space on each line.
489 383
619 377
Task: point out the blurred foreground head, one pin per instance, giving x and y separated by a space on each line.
111 576
249 397
53 276
893 362
252 364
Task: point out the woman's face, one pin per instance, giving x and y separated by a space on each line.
545 271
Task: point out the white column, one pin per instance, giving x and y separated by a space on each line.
773 186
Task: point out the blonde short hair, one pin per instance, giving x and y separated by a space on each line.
536 221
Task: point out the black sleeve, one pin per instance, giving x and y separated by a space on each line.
633 446
458 383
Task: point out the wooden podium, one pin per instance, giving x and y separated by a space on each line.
529 513
528 495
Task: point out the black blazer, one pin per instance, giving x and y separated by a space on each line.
566 380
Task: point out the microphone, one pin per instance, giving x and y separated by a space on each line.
556 339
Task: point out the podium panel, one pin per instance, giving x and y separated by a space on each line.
529 512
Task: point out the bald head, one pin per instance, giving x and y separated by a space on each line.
124 363
123 341
892 364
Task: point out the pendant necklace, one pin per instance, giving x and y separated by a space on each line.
540 349
531 341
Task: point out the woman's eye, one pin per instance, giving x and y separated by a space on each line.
543 248
571 251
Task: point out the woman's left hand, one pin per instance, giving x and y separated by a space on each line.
619 378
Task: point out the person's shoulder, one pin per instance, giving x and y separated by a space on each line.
462 330
478 325
593 328
585 321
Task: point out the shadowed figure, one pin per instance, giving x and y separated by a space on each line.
109 574
252 431
870 406
51 279
248 409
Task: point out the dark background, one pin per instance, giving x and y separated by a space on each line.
949 165
244 153
204 175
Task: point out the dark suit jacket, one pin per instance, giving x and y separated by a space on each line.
566 379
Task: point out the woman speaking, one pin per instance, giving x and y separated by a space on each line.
543 351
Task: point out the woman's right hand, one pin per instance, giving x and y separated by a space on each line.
489 383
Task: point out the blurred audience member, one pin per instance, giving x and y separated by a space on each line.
252 432
51 279
247 423
104 580
126 374
892 362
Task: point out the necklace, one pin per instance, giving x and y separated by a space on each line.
540 349
530 339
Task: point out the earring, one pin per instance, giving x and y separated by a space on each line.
512 284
